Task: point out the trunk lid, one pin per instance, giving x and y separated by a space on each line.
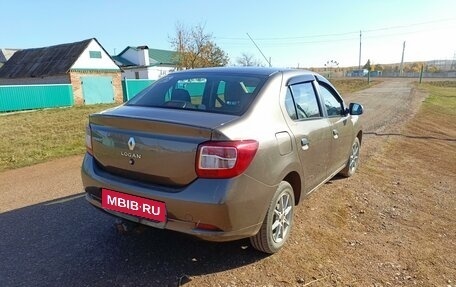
151 144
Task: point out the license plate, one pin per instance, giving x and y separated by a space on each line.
133 205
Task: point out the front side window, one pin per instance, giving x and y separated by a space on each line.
332 103
301 102
219 93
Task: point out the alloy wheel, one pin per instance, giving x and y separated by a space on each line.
354 157
282 218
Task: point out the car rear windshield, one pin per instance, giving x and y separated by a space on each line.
217 93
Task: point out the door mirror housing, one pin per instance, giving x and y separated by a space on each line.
355 109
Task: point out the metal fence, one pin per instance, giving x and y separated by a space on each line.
417 75
131 87
28 97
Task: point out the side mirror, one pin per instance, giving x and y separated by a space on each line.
355 109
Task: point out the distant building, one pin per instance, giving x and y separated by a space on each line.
357 73
94 76
144 63
375 73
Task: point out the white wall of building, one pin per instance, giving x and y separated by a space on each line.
143 56
131 74
151 73
86 62
138 57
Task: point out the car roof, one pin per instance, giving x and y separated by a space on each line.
259 71
266 72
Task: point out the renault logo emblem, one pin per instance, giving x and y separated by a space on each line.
131 143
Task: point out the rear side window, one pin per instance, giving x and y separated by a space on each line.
301 102
219 93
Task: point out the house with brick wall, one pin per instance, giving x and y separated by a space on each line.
141 62
92 73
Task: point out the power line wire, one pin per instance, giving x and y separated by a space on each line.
244 42
338 34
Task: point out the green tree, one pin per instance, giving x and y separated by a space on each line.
196 49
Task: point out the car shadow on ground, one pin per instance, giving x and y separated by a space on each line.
67 242
337 177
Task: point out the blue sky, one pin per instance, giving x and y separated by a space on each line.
292 33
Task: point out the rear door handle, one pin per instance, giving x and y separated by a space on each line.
305 144
335 134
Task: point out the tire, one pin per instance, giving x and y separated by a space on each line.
278 221
353 160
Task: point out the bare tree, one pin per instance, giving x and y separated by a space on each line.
181 40
196 49
247 60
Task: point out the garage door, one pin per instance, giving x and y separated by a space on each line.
97 90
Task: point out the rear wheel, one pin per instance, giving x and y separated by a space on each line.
278 221
353 160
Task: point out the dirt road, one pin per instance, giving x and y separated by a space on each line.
352 232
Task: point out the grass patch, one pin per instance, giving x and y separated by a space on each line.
352 85
445 84
37 136
442 97
437 114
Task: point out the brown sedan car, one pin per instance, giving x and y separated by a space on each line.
221 153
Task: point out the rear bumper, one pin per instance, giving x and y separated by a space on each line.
235 206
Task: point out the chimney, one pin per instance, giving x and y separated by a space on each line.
143 56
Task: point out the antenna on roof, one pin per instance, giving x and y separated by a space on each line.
268 61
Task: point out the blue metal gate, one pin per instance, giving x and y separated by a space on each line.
97 90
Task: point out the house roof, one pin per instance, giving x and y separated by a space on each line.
122 61
46 61
156 57
5 54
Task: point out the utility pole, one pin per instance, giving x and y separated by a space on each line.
359 62
268 61
401 70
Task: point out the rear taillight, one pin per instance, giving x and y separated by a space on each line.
88 139
224 159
